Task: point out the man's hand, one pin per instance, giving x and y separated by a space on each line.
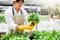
29 26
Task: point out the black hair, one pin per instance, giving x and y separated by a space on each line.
20 0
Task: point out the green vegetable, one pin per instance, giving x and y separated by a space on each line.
36 35
33 17
15 36
43 35
2 18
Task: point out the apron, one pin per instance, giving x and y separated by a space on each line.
19 20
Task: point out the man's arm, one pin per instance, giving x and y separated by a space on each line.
14 26
9 20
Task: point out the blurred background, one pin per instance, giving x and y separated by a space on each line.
43 7
49 11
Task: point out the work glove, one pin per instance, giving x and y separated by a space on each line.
21 27
29 26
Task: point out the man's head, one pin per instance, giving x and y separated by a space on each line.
18 3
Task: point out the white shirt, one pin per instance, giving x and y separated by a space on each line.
9 17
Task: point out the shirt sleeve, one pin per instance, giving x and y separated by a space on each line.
9 20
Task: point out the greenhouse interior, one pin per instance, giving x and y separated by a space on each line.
29 19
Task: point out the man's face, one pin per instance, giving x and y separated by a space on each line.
18 4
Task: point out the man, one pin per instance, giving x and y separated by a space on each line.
16 16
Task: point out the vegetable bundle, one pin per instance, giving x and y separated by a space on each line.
34 17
